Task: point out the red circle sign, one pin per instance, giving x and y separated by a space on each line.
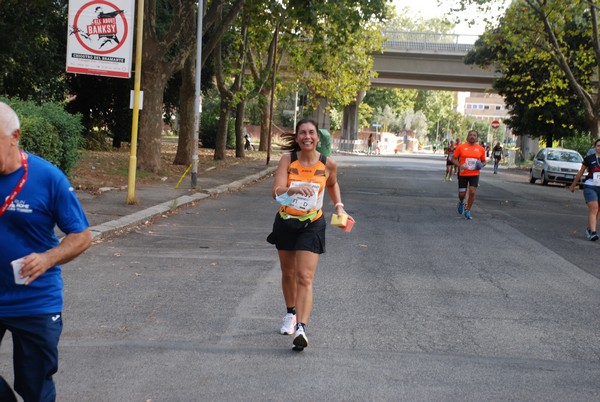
495 124
104 29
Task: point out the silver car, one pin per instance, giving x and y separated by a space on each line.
555 165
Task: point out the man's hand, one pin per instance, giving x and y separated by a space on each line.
34 265
73 244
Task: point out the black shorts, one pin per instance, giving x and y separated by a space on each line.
289 236
449 163
465 181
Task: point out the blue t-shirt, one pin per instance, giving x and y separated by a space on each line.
46 200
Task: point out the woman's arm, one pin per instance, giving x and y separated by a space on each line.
577 177
280 180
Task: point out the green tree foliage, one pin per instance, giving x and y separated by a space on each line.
581 142
49 131
33 39
210 121
397 98
436 106
323 49
559 37
414 121
365 113
103 102
331 46
387 117
537 92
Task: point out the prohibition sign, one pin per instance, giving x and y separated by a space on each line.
80 40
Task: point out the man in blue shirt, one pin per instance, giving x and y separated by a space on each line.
35 196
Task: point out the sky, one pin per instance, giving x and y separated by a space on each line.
430 9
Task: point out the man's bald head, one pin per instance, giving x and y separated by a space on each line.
9 121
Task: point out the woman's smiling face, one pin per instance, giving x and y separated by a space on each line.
307 136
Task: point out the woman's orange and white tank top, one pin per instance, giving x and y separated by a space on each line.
301 175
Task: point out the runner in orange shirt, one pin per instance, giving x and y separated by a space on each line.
469 158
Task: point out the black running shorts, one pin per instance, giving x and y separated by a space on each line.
309 238
473 181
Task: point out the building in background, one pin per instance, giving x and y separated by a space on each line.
490 107
484 106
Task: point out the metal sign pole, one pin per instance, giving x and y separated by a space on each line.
131 199
197 103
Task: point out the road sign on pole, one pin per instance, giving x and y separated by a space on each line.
495 124
100 40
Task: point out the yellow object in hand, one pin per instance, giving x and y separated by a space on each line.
339 220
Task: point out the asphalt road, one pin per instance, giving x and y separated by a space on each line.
416 303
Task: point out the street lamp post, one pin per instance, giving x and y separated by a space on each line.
197 103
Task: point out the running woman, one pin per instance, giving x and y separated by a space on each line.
299 228
449 165
591 189
497 155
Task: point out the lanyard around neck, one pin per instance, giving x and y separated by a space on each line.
19 185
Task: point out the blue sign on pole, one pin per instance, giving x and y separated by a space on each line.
376 125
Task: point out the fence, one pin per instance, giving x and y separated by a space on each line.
348 145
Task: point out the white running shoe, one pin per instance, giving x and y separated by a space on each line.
300 340
289 322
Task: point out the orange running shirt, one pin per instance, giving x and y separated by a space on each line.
315 175
467 153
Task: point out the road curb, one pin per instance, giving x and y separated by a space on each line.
108 229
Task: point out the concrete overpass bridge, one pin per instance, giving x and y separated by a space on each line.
417 60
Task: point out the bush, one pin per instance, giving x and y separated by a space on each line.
580 142
209 121
49 131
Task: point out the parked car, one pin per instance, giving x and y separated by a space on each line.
555 165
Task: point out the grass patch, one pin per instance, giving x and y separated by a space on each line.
96 169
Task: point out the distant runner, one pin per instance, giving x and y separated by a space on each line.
469 158
497 155
449 165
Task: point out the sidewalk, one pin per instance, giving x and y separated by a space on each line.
108 212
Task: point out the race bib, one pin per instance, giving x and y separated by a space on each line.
302 202
470 163
596 179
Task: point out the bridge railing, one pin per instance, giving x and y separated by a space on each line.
428 41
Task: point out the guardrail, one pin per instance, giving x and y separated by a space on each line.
425 41
348 145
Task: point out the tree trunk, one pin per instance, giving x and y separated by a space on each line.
185 145
148 155
264 121
239 130
595 126
221 140
549 140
